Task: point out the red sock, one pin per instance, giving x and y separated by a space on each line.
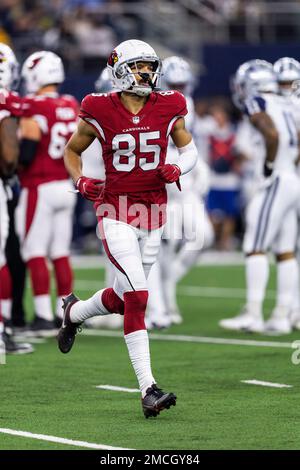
39 274
5 283
135 308
63 276
112 301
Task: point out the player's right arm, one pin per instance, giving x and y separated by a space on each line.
30 136
81 139
262 121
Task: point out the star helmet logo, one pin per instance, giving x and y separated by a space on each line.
135 119
113 58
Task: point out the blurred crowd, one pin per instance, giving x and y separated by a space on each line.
75 29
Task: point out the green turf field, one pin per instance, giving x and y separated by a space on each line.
53 394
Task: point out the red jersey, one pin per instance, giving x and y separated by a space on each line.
10 104
56 116
133 147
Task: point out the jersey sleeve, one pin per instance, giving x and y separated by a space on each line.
88 114
10 104
180 104
177 107
86 108
254 105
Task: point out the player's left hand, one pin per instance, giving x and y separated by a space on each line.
169 173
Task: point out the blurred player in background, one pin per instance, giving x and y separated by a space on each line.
10 109
271 219
287 72
45 209
188 229
133 127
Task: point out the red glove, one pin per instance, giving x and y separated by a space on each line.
169 173
90 188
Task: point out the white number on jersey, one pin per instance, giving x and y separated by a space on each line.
58 138
129 152
166 93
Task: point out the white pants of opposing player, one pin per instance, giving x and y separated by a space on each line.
271 218
4 223
132 252
44 220
189 228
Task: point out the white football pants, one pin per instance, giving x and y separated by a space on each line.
271 217
44 220
132 252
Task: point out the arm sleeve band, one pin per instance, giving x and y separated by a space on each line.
28 150
187 157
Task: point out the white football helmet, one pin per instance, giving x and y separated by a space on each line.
8 67
287 70
104 83
177 72
40 69
256 76
238 85
127 54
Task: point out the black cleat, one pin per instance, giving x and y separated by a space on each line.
68 330
11 347
156 400
40 327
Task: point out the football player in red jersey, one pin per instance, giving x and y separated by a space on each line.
45 209
10 109
133 126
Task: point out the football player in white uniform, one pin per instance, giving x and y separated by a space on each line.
188 229
287 72
271 219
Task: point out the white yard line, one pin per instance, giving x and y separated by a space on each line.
117 389
266 384
59 440
190 291
208 258
195 339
